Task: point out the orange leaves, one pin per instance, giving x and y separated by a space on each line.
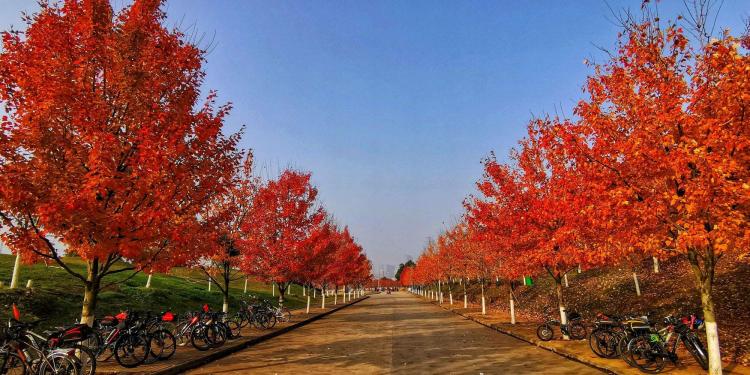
106 153
287 237
657 161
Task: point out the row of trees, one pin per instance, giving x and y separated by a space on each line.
655 163
109 152
278 233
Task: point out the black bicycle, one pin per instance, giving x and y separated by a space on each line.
649 353
574 328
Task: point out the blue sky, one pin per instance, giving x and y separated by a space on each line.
392 104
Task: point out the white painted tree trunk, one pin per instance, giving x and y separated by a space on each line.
308 305
148 281
244 291
322 299
304 291
336 298
579 268
565 277
712 342
225 307
466 302
441 298
29 284
656 264
209 284
16 271
450 297
484 304
273 290
564 320
512 309
637 285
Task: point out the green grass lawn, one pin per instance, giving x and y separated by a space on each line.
56 296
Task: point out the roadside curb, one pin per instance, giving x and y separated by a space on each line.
537 343
178 368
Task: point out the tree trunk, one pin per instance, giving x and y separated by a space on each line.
336 296
148 281
637 285
244 291
322 298
90 292
273 290
450 298
209 284
561 304
16 271
512 309
315 292
308 305
565 277
484 305
225 305
440 291
656 264
704 276
466 298
282 290
304 290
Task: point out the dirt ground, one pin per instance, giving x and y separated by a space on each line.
394 333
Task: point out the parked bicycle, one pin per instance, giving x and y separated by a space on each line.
649 353
33 350
574 328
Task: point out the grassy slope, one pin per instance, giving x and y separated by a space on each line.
56 295
672 291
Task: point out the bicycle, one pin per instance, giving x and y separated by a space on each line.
124 337
603 338
574 327
32 349
208 333
649 353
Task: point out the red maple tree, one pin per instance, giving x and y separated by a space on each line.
106 151
278 229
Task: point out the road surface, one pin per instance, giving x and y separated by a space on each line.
394 334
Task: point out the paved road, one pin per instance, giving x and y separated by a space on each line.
394 334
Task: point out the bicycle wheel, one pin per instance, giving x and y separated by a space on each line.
93 342
13 364
216 335
646 355
261 321
198 338
57 364
84 359
598 341
285 315
132 350
271 319
544 332
577 330
182 334
163 344
694 345
235 327
243 319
